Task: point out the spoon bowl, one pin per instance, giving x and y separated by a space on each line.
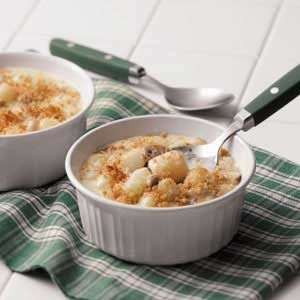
191 99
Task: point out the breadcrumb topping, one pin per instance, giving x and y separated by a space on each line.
145 171
32 100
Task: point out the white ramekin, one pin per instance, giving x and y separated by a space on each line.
159 236
36 158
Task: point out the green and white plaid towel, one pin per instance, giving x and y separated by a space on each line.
40 228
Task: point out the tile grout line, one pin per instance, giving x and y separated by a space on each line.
148 21
21 25
260 52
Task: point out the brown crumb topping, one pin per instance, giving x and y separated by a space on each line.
27 94
197 186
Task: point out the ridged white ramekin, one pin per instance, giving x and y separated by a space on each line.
36 158
159 236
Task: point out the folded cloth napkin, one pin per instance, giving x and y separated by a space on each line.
40 228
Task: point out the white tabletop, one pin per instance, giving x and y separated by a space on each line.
241 46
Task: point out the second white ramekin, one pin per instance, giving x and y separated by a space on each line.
36 158
159 236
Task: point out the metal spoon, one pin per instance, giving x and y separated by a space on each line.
263 106
187 99
191 99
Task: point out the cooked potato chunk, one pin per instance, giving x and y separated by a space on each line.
132 160
48 122
102 182
92 167
146 200
233 176
7 93
170 164
96 159
98 184
137 182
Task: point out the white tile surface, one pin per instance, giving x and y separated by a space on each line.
13 13
31 287
212 26
194 69
119 22
5 275
283 41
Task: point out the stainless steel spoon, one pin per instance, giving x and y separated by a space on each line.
263 106
191 99
187 99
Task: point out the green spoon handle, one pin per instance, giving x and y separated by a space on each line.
275 97
96 61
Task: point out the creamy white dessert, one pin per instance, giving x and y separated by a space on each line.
145 171
32 100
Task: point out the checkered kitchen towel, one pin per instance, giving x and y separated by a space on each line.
40 228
